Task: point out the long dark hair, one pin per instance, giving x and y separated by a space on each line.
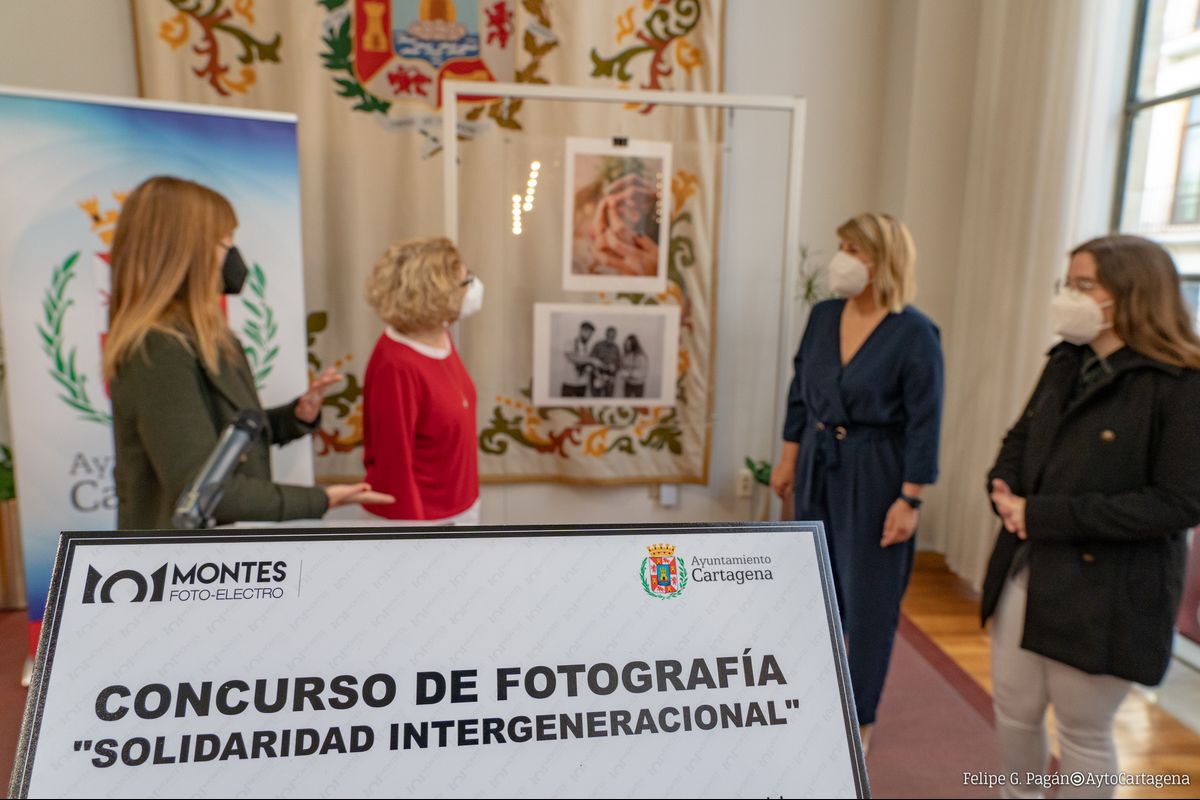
1149 312
632 344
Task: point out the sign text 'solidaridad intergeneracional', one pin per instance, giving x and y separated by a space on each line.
343 693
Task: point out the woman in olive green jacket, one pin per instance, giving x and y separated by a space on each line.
178 375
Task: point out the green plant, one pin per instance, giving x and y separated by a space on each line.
761 470
7 485
811 286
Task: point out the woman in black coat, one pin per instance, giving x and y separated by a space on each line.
1097 484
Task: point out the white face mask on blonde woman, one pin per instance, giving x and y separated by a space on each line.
847 275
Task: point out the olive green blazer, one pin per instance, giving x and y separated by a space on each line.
168 411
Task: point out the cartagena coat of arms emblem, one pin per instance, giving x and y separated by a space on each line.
664 575
393 55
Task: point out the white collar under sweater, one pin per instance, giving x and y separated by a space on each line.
439 353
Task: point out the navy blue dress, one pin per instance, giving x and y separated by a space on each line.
863 430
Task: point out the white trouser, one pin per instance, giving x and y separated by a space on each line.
468 517
1024 683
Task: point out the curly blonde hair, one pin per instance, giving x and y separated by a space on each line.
414 286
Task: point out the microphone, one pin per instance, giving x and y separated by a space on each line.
195 506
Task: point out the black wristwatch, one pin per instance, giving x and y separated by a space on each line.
915 502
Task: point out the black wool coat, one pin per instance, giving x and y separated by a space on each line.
1112 483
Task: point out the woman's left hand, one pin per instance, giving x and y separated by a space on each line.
308 407
900 524
1010 507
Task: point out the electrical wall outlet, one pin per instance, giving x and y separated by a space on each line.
744 487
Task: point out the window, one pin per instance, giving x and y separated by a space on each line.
1187 182
1191 295
1158 183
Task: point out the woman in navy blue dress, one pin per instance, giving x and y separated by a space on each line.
861 436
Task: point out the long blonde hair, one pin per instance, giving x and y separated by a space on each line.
889 245
1149 312
165 274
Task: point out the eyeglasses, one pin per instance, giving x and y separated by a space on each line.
1078 284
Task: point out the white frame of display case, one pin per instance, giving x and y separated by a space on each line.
794 106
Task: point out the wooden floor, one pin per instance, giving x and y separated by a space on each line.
1149 740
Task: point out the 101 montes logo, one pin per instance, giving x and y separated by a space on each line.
150 588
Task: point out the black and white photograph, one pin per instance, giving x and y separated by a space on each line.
616 223
600 355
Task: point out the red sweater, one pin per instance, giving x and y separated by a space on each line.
419 432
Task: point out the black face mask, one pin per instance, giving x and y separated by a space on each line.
234 272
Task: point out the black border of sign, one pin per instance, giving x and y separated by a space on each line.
56 597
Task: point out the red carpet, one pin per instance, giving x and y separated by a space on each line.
934 724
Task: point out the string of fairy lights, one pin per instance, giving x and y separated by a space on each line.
523 205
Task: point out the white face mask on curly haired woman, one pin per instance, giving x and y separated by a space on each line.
473 299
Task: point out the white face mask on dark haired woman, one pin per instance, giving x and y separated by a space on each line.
847 275
1077 317
473 299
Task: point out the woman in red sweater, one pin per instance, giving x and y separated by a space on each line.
418 400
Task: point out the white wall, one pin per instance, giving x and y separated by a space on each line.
68 45
931 85
931 81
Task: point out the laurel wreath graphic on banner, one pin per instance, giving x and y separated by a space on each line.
62 364
261 329
683 581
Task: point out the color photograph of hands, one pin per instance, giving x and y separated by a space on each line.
624 231
616 197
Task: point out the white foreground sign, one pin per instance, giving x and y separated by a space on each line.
508 662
